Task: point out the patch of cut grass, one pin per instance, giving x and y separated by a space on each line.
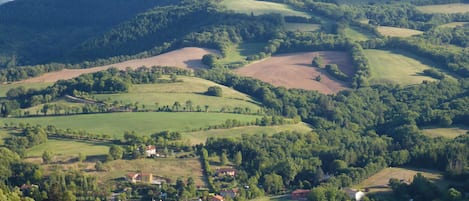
69 148
445 8
354 34
379 181
261 7
451 132
454 24
143 123
193 89
304 27
396 67
171 168
398 32
201 136
5 87
237 53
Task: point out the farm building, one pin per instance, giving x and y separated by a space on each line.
145 178
150 150
229 193
356 195
226 172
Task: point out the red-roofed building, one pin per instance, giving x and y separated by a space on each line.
300 194
226 172
150 150
217 198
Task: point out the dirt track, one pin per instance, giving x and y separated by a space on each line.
295 71
189 58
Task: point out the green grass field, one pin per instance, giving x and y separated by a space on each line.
274 198
398 68
302 27
378 182
3 134
144 123
165 167
191 89
69 148
451 132
355 34
201 136
261 7
398 32
236 54
454 24
5 87
445 8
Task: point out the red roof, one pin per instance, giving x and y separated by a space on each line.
150 147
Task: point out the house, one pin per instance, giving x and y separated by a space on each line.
217 198
226 172
300 194
148 178
229 193
150 150
356 195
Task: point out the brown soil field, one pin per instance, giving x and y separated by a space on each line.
295 71
189 58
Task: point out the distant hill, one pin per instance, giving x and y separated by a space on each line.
4 1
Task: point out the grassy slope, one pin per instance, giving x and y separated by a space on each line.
5 87
380 180
302 27
445 8
144 123
355 34
451 132
3 134
68 148
261 7
201 136
238 53
398 32
387 66
191 89
453 24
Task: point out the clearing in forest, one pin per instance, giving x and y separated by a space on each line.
379 181
398 32
295 71
454 24
357 34
396 67
445 8
189 58
68 148
451 132
304 27
261 7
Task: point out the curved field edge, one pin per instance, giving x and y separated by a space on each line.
188 58
451 132
143 123
445 8
261 7
395 67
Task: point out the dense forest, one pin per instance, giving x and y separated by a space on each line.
354 133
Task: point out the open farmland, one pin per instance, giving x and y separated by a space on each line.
69 148
191 88
356 34
398 32
445 8
295 71
379 181
261 7
388 66
171 168
189 58
451 132
302 27
201 136
454 24
143 123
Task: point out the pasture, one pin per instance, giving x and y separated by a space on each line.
454 24
304 27
3 134
379 181
68 148
172 168
295 71
274 198
445 8
188 58
192 88
143 123
396 67
198 137
357 35
398 32
261 7
237 53
451 132
5 87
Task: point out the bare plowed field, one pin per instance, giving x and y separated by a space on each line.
189 58
295 71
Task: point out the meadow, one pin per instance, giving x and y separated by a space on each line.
274 198
379 181
198 137
451 132
192 88
237 53
5 87
454 24
143 123
261 7
68 148
398 32
302 27
357 35
445 8
396 67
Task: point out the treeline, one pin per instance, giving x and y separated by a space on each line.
456 36
29 137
